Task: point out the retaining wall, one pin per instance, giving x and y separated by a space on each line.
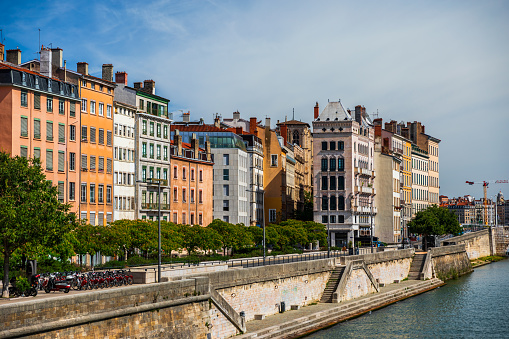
477 244
450 261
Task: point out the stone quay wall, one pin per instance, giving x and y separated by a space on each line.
477 244
178 309
501 239
450 261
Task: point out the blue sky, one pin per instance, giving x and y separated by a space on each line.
444 63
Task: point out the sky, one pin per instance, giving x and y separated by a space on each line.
444 63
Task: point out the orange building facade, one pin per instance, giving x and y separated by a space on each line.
191 182
96 184
40 118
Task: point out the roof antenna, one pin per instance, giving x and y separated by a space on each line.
293 117
39 47
1 36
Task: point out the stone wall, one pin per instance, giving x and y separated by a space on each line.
477 244
501 237
450 261
175 309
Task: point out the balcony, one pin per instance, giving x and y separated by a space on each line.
364 172
365 190
154 206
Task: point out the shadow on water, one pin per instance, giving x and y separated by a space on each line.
473 306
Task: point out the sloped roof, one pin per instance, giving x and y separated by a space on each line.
334 111
293 122
197 128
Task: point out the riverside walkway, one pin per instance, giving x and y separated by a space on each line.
307 319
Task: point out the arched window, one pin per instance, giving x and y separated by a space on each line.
296 137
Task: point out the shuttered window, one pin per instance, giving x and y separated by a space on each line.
61 191
49 130
101 136
84 215
72 133
100 194
72 190
108 195
108 217
101 164
84 133
24 126
92 134
61 133
92 163
37 128
61 161
72 109
100 220
109 137
72 161
37 152
92 194
23 152
84 161
109 166
49 160
37 101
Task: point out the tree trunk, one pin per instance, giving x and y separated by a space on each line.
5 289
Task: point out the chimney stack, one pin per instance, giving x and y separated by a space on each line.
14 56
178 141
149 86
138 85
57 57
358 114
195 145
252 125
186 117
208 149
107 72
82 68
317 113
238 130
236 115
121 78
46 63
217 122
2 49
284 132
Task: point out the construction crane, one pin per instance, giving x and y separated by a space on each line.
485 187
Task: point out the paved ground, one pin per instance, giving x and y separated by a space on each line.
273 320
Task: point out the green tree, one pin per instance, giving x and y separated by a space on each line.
316 232
307 212
30 213
434 221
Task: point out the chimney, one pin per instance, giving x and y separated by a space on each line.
284 132
82 68
121 78
195 145
149 86
378 126
207 149
238 130
138 85
317 113
252 125
178 141
2 49
358 113
14 56
46 62
108 72
57 57
267 123
217 122
186 117
236 115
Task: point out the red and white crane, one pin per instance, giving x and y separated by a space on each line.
485 187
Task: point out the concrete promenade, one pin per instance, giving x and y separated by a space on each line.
310 318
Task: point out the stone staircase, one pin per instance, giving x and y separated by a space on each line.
332 284
416 267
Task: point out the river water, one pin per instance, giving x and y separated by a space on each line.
473 306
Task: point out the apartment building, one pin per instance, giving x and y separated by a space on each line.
343 172
420 191
39 120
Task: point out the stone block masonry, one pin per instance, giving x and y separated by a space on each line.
450 261
477 244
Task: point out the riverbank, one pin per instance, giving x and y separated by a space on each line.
311 318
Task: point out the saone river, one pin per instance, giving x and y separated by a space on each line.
473 306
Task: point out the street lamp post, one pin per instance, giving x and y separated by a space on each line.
371 227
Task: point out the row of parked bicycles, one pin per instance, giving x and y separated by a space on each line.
65 281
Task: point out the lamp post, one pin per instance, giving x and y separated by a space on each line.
371 227
152 180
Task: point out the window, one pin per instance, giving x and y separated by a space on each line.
200 219
144 149
184 176
37 101
72 161
37 152
175 194
192 174
72 109
61 133
101 164
61 107
60 188
108 194
341 145
226 174
84 162
192 195
273 160
92 134
341 203
83 192
175 172
226 159
165 132
24 98
24 126
108 111
200 196
92 162
109 138
332 145
144 173
184 195
332 203
158 152
341 164
151 128
226 190
332 219
332 183
49 160
158 130
49 130
226 205
332 164
92 193
100 194
144 127
226 218
101 136
83 105
72 133
92 107
141 104
101 109
324 183
341 219
151 151
23 152
272 215
201 175
72 190
324 145
61 161
165 153
84 133
325 203
325 219
165 173
325 163
37 129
